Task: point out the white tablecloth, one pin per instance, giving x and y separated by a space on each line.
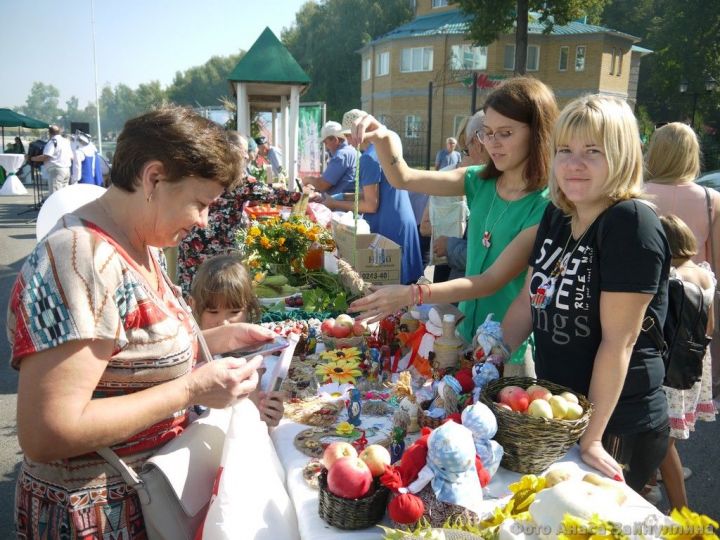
305 499
11 163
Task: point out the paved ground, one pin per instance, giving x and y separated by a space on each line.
17 238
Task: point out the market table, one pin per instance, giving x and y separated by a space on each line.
11 163
312 527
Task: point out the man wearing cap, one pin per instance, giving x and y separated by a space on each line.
339 175
269 153
57 157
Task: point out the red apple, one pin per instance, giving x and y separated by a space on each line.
515 397
376 457
349 478
340 331
359 328
536 391
335 451
327 326
503 406
344 320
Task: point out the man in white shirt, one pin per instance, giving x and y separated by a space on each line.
57 157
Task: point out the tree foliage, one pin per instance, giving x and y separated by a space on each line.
43 102
492 18
204 85
325 40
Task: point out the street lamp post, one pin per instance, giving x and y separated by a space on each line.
710 85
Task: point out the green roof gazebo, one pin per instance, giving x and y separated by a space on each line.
268 79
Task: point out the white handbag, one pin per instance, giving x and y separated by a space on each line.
175 485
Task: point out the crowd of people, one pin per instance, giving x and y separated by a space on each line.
553 222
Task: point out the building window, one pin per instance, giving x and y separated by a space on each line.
412 126
439 3
416 59
533 58
382 64
619 63
580 58
612 62
366 68
468 57
509 57
564 54
383 119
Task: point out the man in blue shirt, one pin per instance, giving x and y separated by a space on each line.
448 156
339 174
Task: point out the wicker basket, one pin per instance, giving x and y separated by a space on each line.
532 444
351 514
427 421
332 343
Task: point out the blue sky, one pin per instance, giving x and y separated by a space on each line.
137 41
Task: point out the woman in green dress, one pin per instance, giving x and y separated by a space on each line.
506 198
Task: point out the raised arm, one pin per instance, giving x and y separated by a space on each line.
397 171
621 316
517 323
511 262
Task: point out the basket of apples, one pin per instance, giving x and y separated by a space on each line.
342 332
351 495
538 421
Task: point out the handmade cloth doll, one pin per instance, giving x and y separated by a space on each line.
407 404
481 422
482 374
488 343
446 400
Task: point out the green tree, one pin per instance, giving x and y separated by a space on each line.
204 85
43 102
325 38
491 18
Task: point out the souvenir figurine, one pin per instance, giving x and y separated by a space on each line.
354 407
407 403
361 442
397 444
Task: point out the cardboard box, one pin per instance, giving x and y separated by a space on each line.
378 259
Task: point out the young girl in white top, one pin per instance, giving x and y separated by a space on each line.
221 294
686 406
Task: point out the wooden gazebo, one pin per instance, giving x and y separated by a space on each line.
269 79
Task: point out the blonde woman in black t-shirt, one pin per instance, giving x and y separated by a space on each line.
598 270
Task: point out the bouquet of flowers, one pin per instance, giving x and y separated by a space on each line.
277 242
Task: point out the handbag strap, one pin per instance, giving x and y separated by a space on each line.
708 206
127 472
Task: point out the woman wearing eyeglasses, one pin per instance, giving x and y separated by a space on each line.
506 200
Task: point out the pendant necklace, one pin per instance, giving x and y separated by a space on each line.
487 235
545 292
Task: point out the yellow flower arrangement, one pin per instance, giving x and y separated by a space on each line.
340 371
344 429
275 241
351 354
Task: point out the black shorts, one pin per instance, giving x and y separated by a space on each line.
639 454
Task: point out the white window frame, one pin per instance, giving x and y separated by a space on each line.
505 58
439 3
366 68
419 58
461 53
382 63
537 58
567 58
412 126
584 57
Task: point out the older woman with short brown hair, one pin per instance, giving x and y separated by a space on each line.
105 347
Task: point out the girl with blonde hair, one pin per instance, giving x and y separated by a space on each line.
598 275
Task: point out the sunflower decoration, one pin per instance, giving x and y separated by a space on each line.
342 370
351 354
689 525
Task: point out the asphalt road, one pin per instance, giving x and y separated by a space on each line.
17 238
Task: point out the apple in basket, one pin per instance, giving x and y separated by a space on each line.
540 409
335 451
376 457
515 397
536 391
343 326
349 478
327 326
359 328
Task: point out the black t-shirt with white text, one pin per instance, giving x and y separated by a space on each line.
623 250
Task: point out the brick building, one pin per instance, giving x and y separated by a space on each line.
574 59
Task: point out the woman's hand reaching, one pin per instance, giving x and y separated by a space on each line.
383 302
220 383
234 336
367 128
593 453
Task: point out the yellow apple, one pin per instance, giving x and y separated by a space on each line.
541 409
574 411
570 397
559 406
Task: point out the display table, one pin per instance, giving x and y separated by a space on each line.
312 527
11 163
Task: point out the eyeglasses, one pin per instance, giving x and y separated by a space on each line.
500 136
